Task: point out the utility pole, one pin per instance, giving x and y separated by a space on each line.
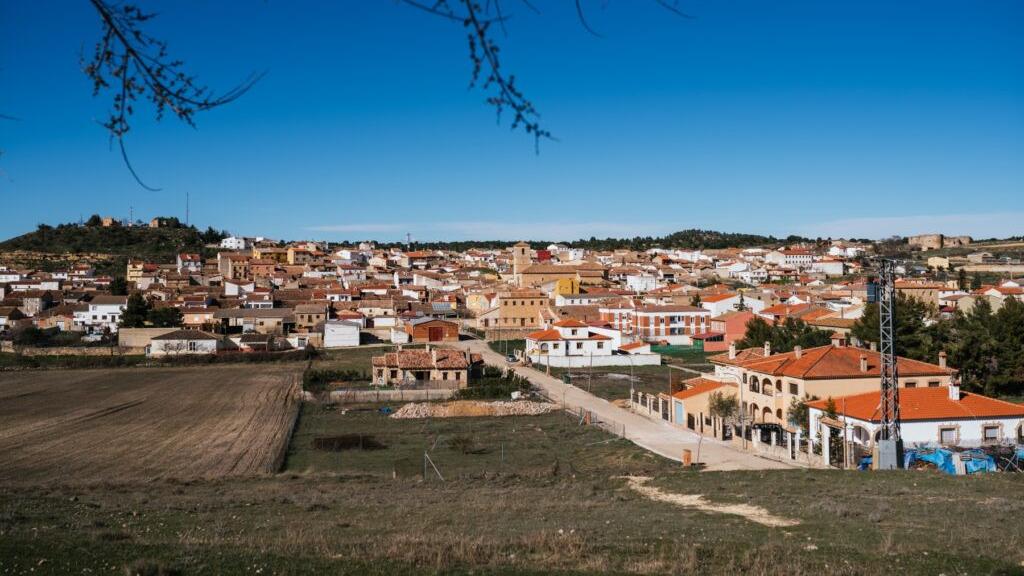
888 454
186 208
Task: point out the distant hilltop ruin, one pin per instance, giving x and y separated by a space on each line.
936 241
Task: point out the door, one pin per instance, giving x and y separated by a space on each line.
435 333
679 413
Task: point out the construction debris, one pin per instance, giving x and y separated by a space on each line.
470 408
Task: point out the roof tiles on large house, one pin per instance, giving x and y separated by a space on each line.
833 362
926 404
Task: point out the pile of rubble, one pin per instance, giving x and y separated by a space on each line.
464 408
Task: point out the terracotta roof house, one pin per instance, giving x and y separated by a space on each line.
773 382
940 415
451 368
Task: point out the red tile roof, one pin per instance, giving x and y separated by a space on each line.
570 323
697 386
831 362
550 334
925 404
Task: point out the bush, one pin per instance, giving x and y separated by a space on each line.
494 386
317 380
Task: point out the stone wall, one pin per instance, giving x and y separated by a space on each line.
62 350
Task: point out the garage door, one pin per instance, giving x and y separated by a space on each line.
435 333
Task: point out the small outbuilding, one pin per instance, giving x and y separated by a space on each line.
182 342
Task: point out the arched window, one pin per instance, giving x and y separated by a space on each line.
754 384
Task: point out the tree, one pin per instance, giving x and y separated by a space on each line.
975 281
119 286
165 317
135 312
961 279
783 337
722 406
909 327
695 300
94 221
212 236
798 413
742 305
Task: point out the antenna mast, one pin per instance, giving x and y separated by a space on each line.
890 442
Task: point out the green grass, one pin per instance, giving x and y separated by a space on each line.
460 447
683 354
556 504
507 346
613 383
354 358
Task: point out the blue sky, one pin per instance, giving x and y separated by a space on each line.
817 118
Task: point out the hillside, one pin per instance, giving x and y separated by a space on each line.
156 244
684 239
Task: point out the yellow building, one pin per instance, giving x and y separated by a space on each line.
566 287
279 255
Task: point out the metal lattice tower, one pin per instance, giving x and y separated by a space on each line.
890 401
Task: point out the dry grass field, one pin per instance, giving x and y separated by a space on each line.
142 424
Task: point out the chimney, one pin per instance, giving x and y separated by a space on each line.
732 351
767 348
874 346
798 351
954 392
942 359
863 363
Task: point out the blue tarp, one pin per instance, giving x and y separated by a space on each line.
943 459
974 460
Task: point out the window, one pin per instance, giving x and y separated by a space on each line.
911 385
555 345
990 433
933 384
794 388
444 375
948 435
192 347
579 345
573 331
458 375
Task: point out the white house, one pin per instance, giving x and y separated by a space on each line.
940 415
238 287
233 243
641 282
341 334
796 258
573 344
189 263
182 342
829 267
719 304
102 314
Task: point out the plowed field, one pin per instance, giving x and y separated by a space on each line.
138 424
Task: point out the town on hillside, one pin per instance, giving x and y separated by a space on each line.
763 347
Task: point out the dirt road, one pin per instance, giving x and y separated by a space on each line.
657 436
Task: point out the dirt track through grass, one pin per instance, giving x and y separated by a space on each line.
698 502
196 422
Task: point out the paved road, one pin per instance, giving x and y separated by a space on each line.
655 435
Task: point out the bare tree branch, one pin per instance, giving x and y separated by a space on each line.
139 66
